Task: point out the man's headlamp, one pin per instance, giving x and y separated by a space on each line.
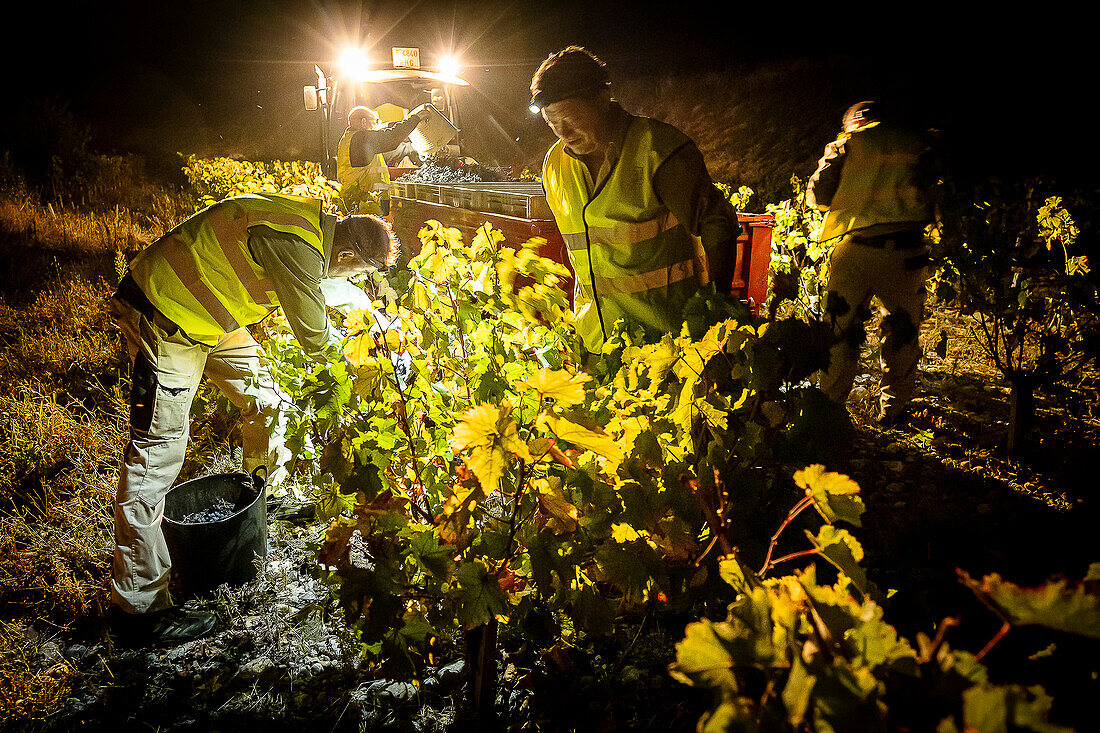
546 97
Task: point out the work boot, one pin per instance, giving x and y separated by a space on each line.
169 627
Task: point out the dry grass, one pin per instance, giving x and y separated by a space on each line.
57 478
31 686
63 413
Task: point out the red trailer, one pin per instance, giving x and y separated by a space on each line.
519 210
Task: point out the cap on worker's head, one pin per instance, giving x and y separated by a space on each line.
356 113
571 72
371 238
861 114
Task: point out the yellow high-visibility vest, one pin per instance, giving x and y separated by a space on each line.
878 183
357 182
632 258
201 274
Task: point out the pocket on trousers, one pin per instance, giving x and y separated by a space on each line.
156 411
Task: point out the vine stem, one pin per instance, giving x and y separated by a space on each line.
520 488
425 512
792 556
1005 627
941 635
717 524
461 341
794 512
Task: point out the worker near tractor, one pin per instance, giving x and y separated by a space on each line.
875 184
642 221
360 159
183 308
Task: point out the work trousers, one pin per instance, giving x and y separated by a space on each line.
885 267
167 369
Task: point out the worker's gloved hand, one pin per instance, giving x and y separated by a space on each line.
344 296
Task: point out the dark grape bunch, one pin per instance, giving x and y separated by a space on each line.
431 172
441 168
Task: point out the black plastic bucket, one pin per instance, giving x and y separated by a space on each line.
207 554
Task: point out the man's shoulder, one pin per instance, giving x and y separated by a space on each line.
658 133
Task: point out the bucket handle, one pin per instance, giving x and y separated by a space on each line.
259 476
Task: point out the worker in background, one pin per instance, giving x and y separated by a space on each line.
183 308
875 183
641 218
360 162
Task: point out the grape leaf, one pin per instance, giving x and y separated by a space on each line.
835 495
565 388
560 514
598 442
703 656
479 595
1059 604
843 550
436 558
798 691
488 464
478 426
730 570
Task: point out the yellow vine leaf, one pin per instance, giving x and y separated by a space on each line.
624 533
835 496
477 427
358 350
488 464
599 443
696 354
488 427
565 388
510 440
357 321
660 357
815 477
561 514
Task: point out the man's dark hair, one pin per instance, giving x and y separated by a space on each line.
571 72
371 238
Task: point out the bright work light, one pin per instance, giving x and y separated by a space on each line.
534 108
448 66
353 62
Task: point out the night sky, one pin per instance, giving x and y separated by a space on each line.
205 76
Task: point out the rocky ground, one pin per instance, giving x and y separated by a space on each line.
283 658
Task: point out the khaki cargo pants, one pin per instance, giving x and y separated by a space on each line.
895 268
167 369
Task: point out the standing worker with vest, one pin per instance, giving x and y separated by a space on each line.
183 308
360 166
643 222
874 181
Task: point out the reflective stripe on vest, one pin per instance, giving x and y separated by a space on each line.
878 182
201 274
644 263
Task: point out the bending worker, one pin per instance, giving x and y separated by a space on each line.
183 308
641 218
875 182
360 165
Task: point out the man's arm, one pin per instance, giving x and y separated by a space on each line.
823 184
684 186
295 270
365 144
